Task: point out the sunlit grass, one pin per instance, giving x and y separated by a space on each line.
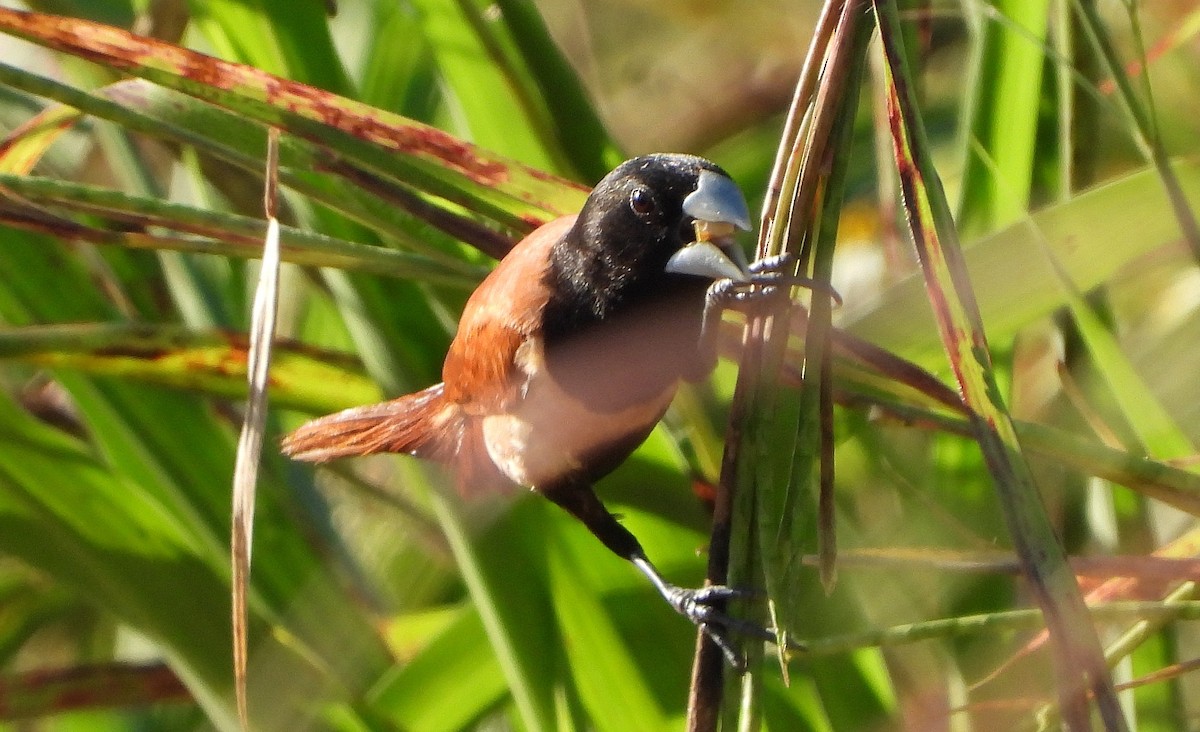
124 363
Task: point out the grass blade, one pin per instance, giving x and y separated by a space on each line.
1079 657
1004 123
1095 236
1143 121
207 362
492 597
609 683
512 194
578 128
24 146
214 232
450 683
249 450
283 37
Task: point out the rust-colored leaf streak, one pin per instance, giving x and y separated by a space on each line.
99 686
297 108
1079 659
140 56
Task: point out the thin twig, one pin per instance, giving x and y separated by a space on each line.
249 451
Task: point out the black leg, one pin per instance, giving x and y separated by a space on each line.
704 606
579 500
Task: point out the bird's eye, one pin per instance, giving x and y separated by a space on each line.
642 202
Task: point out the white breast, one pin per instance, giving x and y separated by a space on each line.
547 433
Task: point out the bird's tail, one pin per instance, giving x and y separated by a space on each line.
423 424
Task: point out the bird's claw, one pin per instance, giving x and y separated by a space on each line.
776 264
771 274
699 605
703 606
768 283
768 279
719 636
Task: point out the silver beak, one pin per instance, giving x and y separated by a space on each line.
717 198
718 207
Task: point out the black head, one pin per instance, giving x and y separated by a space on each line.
630 227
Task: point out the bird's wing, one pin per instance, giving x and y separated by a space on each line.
499 334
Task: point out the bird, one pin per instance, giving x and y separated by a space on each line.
569 352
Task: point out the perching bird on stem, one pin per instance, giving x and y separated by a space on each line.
570 351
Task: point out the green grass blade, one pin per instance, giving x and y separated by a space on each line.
1003 130
176 464
146 108
578 128
1156 430
1094 237
213 363
124 548
1028 619
450 683
610 683
420 155
216 232
1079 659
866 374
1143 121
400 76
498 110
305 167
499 596
286 38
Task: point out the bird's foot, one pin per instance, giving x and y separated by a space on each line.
767 279
767 286
705 608
775 265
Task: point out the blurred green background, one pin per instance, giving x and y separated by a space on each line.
378 600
